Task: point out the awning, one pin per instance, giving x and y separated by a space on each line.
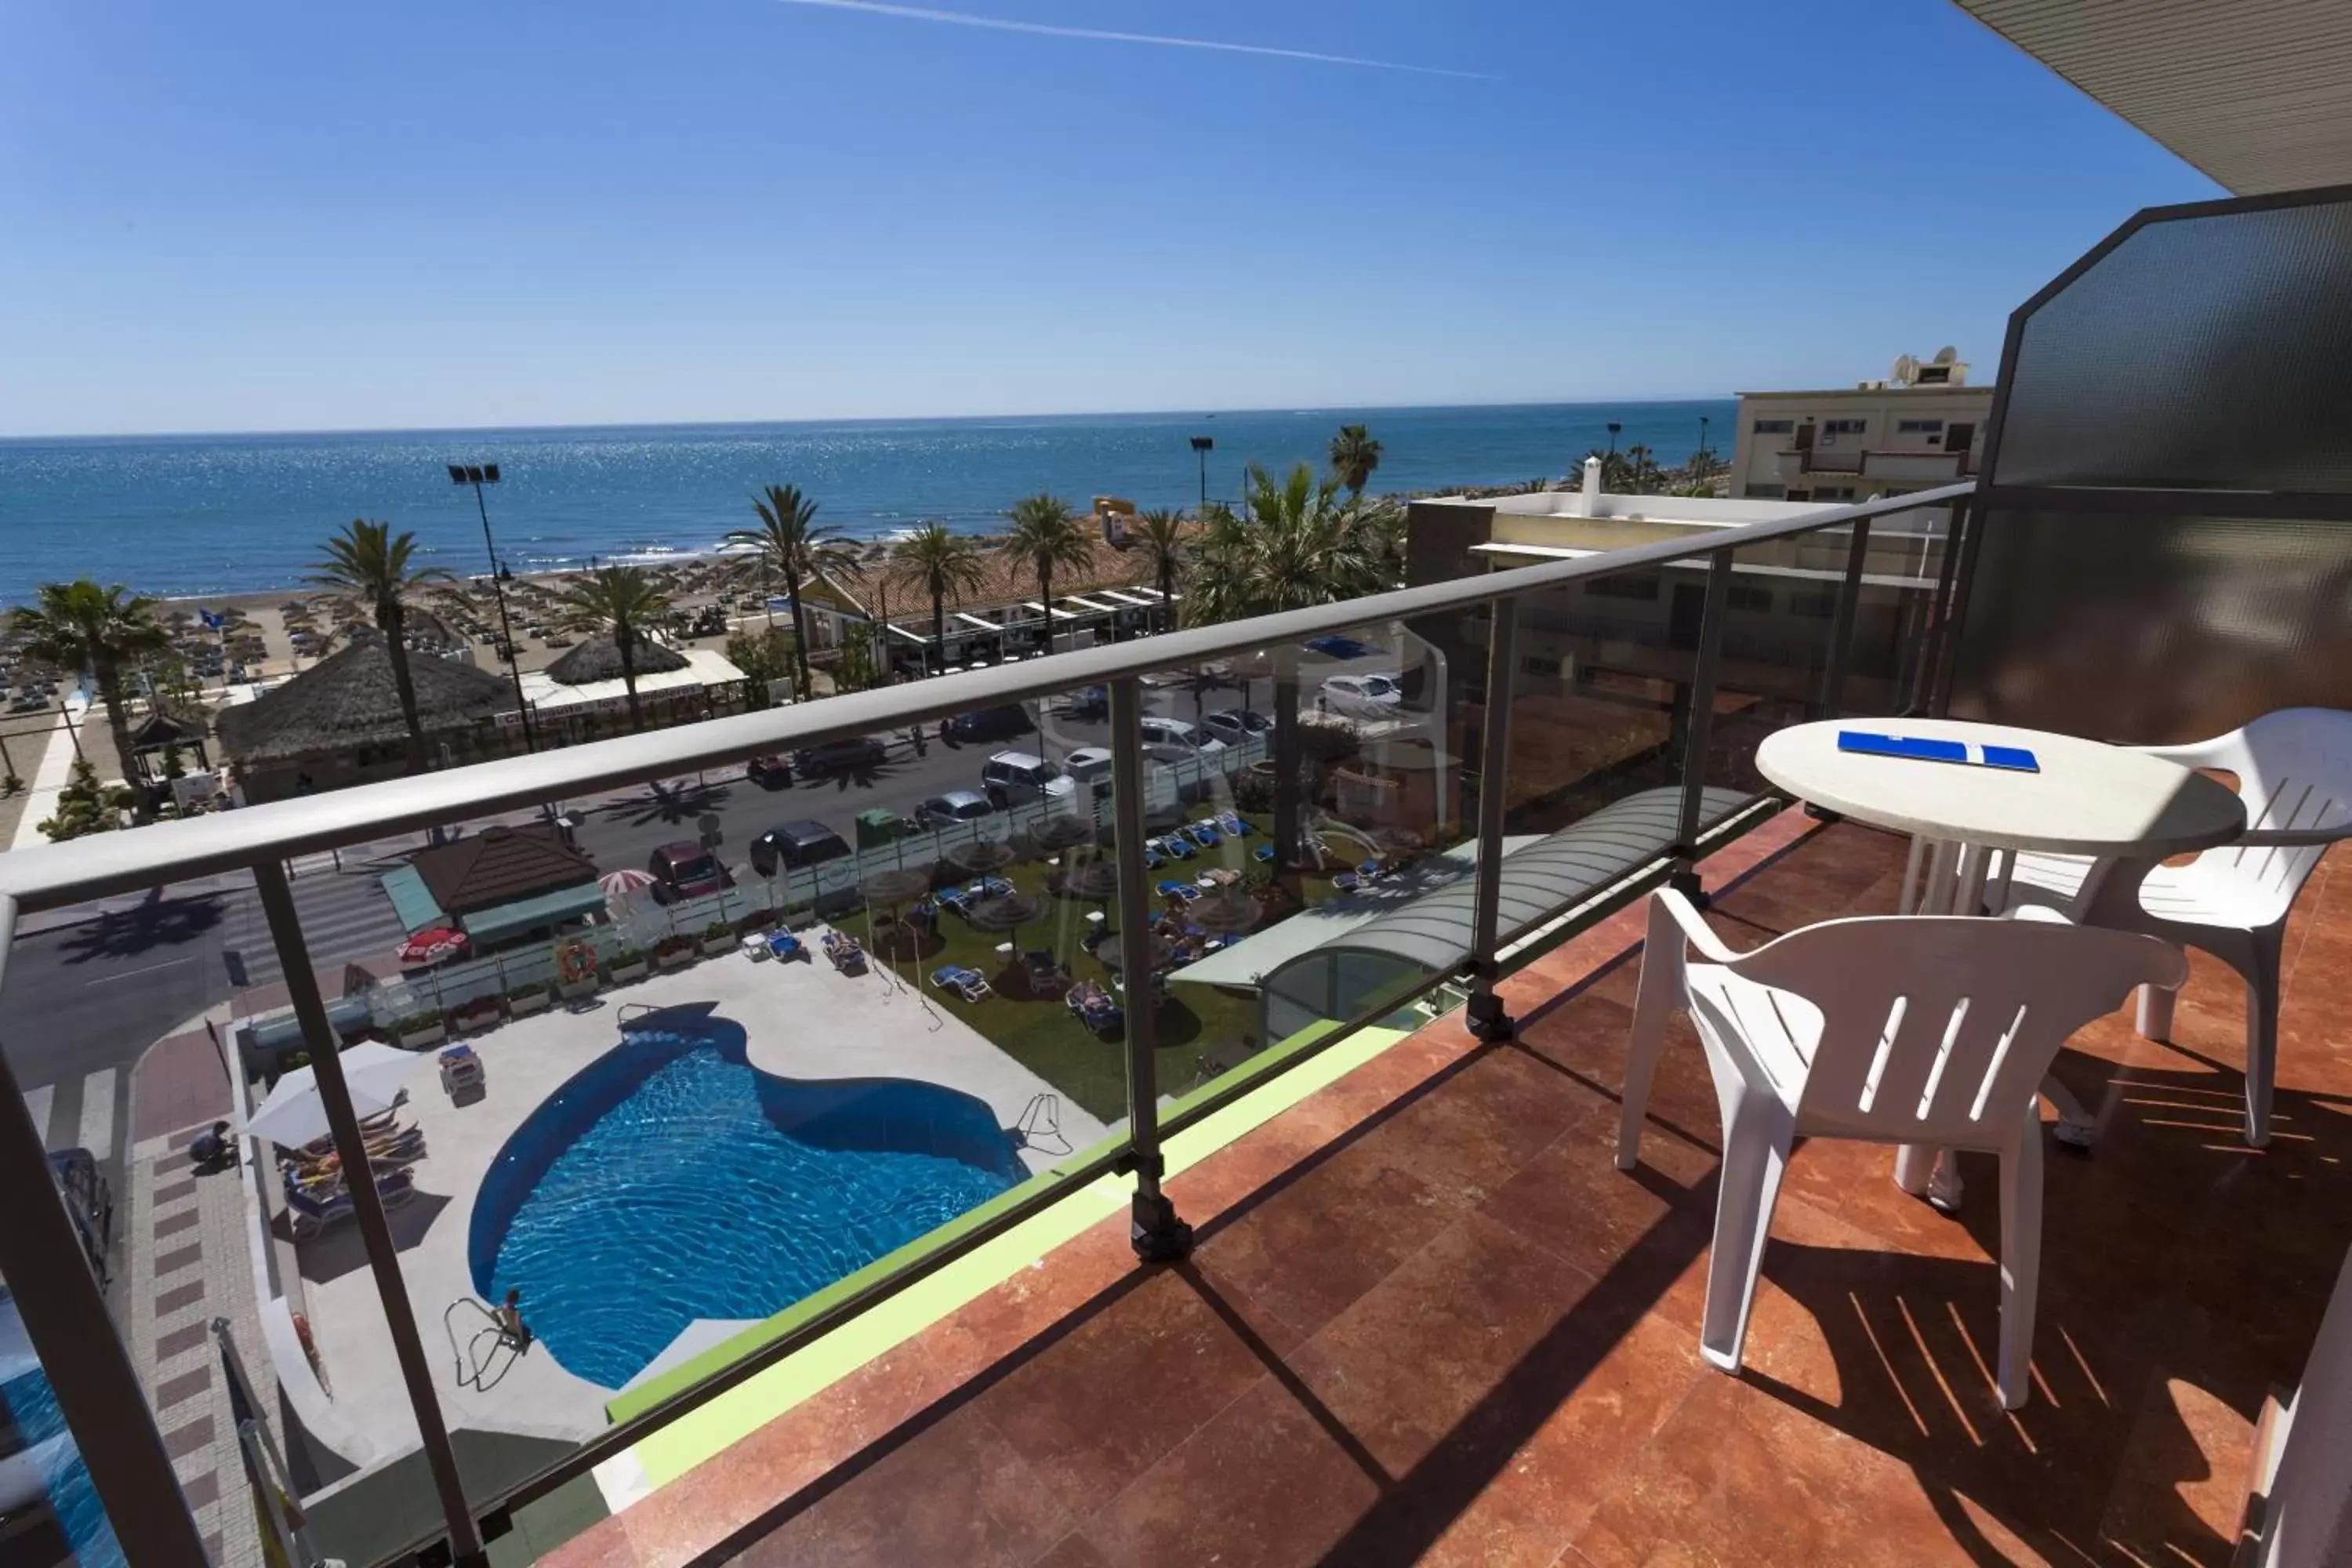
1125 598
910 637
975 620
503 921
1034 605
1088 605
412 902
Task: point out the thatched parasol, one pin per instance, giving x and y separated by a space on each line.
1110 950
1095 879
979 857
1007 912
1225 916
1062 832
891 888
599 659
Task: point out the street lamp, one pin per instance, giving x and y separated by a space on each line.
478 475
1202 447
1702 432
1613 429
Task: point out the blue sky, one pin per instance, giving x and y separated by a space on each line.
281 214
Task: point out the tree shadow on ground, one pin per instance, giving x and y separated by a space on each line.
154 921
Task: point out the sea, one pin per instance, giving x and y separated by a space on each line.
188 516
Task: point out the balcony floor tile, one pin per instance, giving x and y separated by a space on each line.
1429 1319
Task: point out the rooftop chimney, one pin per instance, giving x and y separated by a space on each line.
1591 492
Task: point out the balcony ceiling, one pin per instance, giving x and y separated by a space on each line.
2256 93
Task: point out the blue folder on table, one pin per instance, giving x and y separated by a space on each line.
1921 749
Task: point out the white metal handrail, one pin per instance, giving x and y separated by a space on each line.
51 876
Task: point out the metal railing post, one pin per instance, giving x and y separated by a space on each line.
1157 1235
367 1210
1488 1021
1840 646
1923 684
1683 877
64 1313
1948 653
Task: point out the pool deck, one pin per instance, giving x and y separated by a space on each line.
801 1020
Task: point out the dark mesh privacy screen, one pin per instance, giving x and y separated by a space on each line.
2207 352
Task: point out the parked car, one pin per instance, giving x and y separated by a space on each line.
1234 725
1337 646
1178 734
770 771
1368 695
685 870
1016 778
844 756
955 806
794 846
988 724
88 1200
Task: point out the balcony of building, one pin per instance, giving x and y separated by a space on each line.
1427 1319
1911 466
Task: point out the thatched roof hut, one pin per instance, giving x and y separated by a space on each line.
599 659
348 700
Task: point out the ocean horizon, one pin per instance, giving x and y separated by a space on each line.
190 515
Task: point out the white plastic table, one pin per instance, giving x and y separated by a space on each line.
2089 798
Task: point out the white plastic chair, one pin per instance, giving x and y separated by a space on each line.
2294 774
1901 1030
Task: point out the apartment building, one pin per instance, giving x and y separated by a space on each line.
1920 427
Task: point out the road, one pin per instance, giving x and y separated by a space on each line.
89 990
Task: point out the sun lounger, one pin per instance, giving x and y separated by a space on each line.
956 899
1370 870
1152 858
784 944
1263 853
1345 881
968 983
1171 889
1232 824
1094 1007
1204 834
846 955
401 1143
1045 975
309 1213
993 888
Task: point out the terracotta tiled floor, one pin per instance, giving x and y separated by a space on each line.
1429 1320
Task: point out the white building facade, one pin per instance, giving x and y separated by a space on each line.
1920 428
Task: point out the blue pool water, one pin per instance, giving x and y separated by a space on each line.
41 1428
671 1181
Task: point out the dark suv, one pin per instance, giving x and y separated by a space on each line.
794 846
988 724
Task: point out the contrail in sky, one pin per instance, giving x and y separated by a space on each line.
1047 29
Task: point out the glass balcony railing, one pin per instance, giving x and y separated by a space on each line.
569 1094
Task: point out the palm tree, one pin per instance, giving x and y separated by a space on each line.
1354 456
1296 543
626 602
80 625
791 543
939 562
1163 540
1046 536
369 560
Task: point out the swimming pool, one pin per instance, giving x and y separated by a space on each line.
670 1180
47 1466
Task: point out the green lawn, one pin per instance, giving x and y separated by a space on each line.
1201 1030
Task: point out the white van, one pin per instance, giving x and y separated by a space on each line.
1178 734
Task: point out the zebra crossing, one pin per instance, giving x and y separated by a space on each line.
345 916
87 1112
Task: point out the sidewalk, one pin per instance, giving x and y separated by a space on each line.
48 780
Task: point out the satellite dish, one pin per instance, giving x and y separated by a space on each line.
1907 369
1947 355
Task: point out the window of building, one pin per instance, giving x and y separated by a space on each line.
1537 664
1766 493
1739 597
1844 426
1801 495
1918 426
1820 606
1832 492
1623 587
1775 426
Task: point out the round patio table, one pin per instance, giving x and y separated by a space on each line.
2125 809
